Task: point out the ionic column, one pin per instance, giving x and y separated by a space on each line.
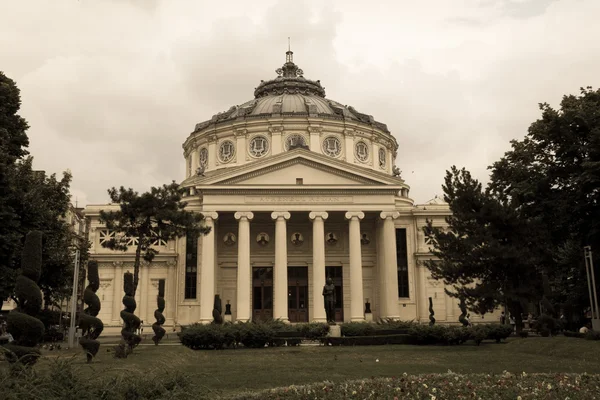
207 269
117 292
390 265
195 155
144 280
170 291
280 295
356 280
318 272
244 274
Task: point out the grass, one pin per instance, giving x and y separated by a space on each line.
229 371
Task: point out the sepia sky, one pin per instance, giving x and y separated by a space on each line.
112 88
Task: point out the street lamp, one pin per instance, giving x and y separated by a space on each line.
589 269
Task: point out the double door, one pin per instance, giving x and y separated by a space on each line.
335 273
298 294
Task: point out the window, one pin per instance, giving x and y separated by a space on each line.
299 181
191 265
402 263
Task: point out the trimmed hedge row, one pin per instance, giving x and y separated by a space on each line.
590 335
251 334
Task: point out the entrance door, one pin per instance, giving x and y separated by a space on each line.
335 273
262 294
298 294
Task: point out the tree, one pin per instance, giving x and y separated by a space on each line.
488 254
552 177
144 220
91 326
29 200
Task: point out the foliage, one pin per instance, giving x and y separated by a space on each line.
487 254
592 335
157 215
453 335
357 329
63 381
249 334
27 330
29 201
217 310
159 331
546 324
551 177
90 325
378 340
448 386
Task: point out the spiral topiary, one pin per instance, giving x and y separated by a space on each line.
463 313
159 331
27 330
131 321
91 326
431 313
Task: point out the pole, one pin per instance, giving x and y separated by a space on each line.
74 301
589 264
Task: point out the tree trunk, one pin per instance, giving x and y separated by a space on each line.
515 311
136 265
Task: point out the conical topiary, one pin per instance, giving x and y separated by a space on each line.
159 331
463 313
131 321
217 310
27 330
90 325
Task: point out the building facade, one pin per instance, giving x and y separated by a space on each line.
296 188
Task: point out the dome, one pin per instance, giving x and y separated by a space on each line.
291 94
287 112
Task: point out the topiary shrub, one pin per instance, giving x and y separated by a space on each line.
313 331
208 337
131 322
357 329
256 335
217 310
479 333
431 313
159 331
547 325
498 332
91 326
463 313
27 330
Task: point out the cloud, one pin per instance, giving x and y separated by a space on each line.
112 89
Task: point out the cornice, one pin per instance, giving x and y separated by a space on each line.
304 192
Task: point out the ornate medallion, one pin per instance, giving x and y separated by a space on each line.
297 238
226 151
295 140
259 146
364 239
262 239
362 151
229 239
331 238
204 157
332 146
382 158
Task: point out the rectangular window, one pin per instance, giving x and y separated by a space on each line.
402 262
299 181
191 265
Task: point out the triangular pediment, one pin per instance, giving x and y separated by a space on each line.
286 168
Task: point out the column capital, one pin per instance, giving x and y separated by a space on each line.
318 214
280 214
249 215
210 214
389 214
355 214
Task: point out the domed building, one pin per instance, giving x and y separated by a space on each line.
297 188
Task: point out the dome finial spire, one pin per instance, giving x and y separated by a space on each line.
289 55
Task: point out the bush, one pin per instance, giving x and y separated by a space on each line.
256 335
368 340
574 334
498 332
357 329
592 335
313 331
210 336
479 333
547 325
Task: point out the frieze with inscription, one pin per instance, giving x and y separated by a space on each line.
299 199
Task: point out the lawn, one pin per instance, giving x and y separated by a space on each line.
229 371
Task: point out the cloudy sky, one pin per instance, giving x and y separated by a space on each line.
112 88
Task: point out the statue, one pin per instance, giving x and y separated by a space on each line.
396 171
200 170
329 297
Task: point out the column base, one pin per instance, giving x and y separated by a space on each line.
369 317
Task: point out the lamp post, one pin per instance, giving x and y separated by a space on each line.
589 269
74 301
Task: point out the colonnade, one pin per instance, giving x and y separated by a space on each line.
387 267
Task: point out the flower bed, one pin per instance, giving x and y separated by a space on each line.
448 386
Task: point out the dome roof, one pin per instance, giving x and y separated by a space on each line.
290 94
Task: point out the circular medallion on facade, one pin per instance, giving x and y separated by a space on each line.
204 157
362 151
259 146
262 239
226 151
332 146
297 238
364 239
295 140
331 238
382 158
230 239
